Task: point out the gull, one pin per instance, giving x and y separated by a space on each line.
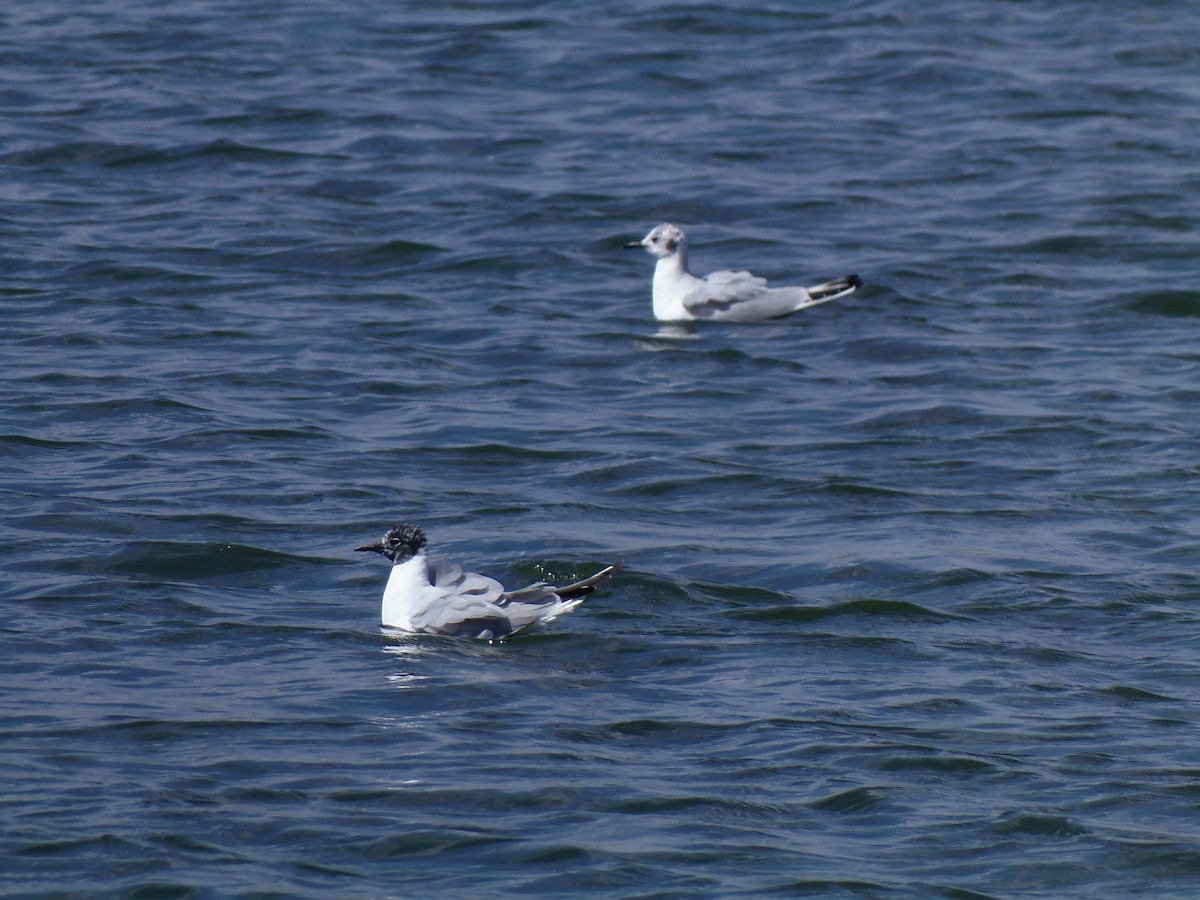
432 596
723 296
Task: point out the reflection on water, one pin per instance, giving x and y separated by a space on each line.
677 331
911 570
668 336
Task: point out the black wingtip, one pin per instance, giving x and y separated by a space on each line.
836 288
589 585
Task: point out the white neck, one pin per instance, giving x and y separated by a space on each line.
672 282
407 584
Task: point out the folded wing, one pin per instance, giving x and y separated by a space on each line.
470 605
461 603
741 297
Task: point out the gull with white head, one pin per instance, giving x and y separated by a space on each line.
432 596
723 296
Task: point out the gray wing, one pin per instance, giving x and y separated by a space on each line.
726 287
450 577
464 604
742 297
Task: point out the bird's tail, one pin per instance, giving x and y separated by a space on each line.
581 589
831 290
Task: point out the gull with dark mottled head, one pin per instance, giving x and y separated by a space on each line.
432 596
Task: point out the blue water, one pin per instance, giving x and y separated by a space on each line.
911 604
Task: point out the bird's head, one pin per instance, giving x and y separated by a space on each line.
400 544
663 240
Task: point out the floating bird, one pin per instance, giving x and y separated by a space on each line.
723 296
432 596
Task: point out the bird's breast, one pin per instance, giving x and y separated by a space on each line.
407 587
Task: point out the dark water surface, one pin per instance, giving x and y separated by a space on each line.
911 605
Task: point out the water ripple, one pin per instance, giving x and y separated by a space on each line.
907 604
